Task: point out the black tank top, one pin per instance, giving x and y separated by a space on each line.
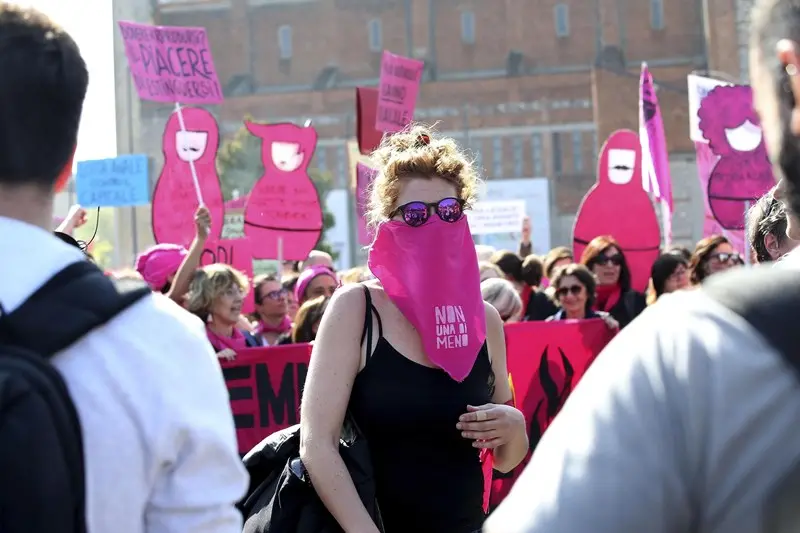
429 478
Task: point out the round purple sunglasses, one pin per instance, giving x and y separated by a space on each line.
417 213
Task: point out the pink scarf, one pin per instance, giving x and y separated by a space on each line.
283 327
220 342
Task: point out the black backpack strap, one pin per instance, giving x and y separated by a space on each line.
768 297
72 303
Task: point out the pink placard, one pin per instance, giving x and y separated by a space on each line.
742 172
617 205
397 94
174 198
236 253
284 206
171 64
364 177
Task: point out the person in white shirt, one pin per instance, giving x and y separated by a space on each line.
688 420
158 434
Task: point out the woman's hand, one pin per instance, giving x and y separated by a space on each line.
227 354
202 223
491 425
76 217
610 322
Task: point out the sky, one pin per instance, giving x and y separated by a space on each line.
91 25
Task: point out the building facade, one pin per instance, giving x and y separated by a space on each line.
530 87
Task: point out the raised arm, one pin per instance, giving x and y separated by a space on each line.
180 285
334 364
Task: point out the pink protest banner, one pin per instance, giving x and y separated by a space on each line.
283 214
546 360
742 172
397 94
617 205
364 177
236 253
265 386
174 198
656 177
171 64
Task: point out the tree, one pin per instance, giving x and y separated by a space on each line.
239 166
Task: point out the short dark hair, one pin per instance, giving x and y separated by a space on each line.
583 275
260 281
766 217
42 88
509 262
532 271
663 267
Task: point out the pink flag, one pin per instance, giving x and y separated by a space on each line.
656 177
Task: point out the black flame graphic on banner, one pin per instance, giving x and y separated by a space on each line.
555 394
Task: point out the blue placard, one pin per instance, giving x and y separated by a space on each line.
118 182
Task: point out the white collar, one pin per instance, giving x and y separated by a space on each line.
30 257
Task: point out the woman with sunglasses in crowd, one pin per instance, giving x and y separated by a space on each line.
604 258
575 289
272 307
711 255
415 356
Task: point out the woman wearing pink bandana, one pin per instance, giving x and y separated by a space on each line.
415 356
216 295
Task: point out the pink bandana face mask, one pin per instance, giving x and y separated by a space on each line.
431 274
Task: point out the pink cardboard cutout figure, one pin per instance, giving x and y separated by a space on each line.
617 205
284 202
175 197
743 173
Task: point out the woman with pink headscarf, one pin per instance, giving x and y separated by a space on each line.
168 268
315 281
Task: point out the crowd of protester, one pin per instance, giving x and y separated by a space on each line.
653 439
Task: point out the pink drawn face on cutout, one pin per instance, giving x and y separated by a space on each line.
729 121
191 145
287 156
198 143
286 147
620 159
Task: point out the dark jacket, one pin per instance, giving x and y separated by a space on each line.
281 498
540 306
629 306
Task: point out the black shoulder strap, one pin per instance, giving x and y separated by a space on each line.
768 298
72 303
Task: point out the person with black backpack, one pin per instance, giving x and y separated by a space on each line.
114 416
688 420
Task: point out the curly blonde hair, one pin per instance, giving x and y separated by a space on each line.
210 283
416 151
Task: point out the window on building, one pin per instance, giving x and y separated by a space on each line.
468 27
537 155
577 151
321 155
375 29
285 41
558 156
340 179
657 14
562 20
497 158
517 157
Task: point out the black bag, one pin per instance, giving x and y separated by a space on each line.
281 498
42 486
768 298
